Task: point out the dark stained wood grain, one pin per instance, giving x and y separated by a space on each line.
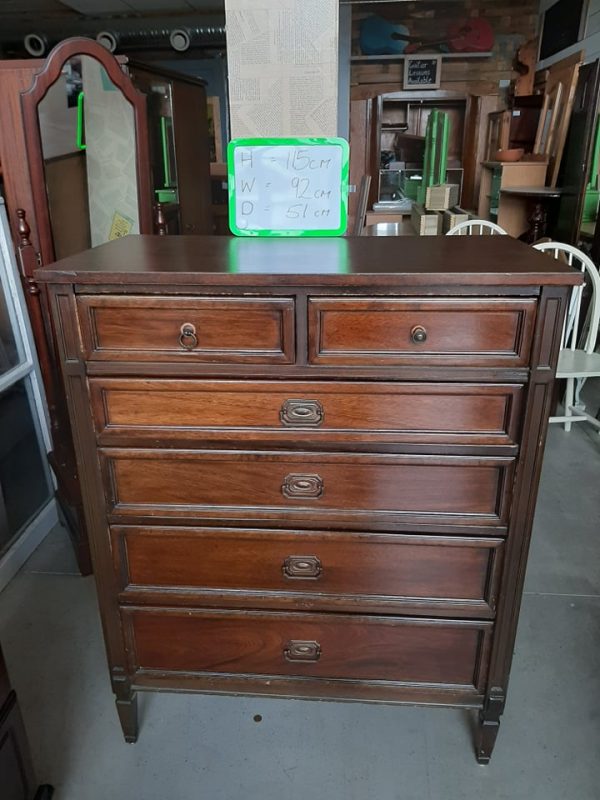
401 574
16 77
150 329
139 410
374 331
440 261
225 485
261 527
366 648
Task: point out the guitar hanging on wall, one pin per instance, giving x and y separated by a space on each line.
380 37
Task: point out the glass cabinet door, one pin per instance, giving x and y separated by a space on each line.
26 488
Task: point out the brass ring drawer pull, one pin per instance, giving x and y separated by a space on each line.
302 567
306 413
187 336
302 651
418 334
307 486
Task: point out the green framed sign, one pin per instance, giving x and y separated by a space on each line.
288 186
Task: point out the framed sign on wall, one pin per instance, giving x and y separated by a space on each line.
422 71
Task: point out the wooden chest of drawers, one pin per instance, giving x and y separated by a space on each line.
310 467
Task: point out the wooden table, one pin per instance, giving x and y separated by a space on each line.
512 211
536 196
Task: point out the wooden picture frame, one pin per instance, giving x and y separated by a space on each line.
498 133
30 100
559 95
422 71
215 135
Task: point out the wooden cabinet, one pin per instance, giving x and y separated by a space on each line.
510 212
179 145
17 777
326 489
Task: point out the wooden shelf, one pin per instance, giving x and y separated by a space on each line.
218 169
445 56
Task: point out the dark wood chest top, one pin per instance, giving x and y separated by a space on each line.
435 261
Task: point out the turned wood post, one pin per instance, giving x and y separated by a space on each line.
27 260
160 220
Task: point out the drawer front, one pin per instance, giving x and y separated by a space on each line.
316 645
420 573
205 329
320 411
466 332
256 485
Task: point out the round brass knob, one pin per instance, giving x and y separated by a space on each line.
187 336
418 334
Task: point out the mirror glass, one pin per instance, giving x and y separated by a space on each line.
87 130
24 482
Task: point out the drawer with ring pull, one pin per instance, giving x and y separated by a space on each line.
226 330
479 332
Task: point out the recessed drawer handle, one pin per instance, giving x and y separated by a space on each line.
302 651
302 567
187 336
309 486
307 413
418 334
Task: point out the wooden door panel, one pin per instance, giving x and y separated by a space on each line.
206 329
419 574
138 410
332 646
402 331
264 485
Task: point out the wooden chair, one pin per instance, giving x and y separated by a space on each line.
467 228
577 360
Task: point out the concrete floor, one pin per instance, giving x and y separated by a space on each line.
211 747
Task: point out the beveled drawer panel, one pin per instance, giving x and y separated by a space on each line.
461 332
205 329
269 485
419 574
333 646
453 413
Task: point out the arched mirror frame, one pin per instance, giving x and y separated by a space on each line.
30 100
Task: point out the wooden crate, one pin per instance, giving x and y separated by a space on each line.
441 196
452 217
426 223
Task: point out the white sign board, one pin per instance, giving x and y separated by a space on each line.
288 187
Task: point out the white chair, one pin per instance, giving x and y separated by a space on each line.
577 360
467 228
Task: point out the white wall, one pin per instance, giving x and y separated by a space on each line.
282 58
58 122
110 153
591 41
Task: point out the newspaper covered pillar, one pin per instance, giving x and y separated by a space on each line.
282 59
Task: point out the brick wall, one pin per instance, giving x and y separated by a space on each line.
513 22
